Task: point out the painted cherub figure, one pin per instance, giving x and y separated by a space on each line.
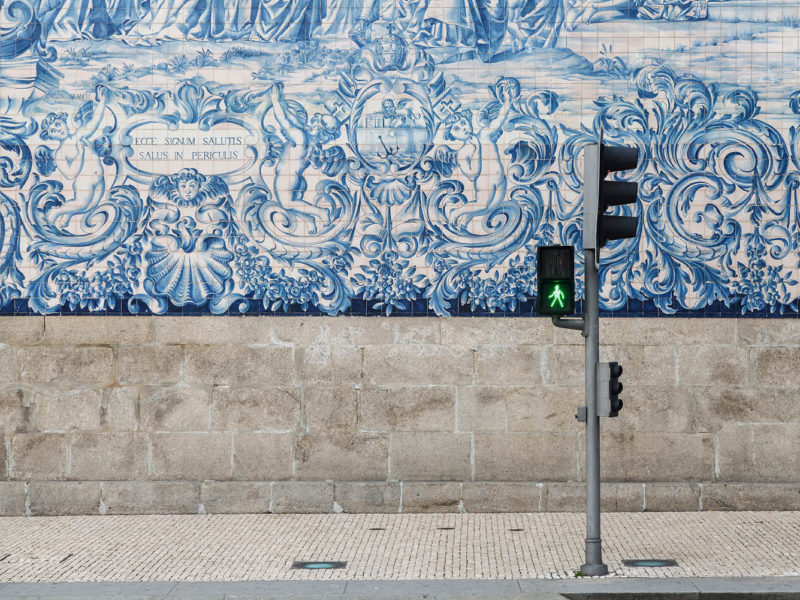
303 137
301 146
478 157
75 157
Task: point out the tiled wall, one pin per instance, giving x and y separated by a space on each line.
406 156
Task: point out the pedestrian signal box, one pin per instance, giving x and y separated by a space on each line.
556 269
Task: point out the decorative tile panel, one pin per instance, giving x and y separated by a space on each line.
406 156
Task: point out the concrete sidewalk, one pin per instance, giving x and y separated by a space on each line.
504 555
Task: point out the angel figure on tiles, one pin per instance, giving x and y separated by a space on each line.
300 145
77 156
468 143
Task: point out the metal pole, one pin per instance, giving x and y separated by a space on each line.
594 548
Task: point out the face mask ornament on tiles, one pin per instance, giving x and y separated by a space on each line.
188 234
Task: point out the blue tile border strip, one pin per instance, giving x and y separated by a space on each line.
417 308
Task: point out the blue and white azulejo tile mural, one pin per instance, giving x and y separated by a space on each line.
405 156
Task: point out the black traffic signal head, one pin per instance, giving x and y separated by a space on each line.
601 194
616 193
556 271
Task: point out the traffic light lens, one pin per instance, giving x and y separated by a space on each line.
556 271
619 158
556 297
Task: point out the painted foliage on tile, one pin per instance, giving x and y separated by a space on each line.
406 156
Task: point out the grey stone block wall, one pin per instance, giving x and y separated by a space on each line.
121 415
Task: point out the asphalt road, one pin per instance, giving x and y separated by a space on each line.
697 588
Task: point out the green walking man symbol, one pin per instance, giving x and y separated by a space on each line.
557 297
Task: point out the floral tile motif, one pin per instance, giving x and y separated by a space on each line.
384 157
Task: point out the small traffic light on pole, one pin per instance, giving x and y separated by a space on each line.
608 389
556 271
601 194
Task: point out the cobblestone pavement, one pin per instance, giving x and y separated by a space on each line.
390 547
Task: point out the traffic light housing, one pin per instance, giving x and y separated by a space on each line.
608 389
556 271
601 194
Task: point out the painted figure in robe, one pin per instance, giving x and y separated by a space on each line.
287 20
194 20
65 20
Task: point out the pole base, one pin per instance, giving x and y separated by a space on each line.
594 570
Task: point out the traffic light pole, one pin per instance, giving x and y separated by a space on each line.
591 331
589 324
599 195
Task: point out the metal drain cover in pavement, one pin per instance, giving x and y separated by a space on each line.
314 564
651 562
